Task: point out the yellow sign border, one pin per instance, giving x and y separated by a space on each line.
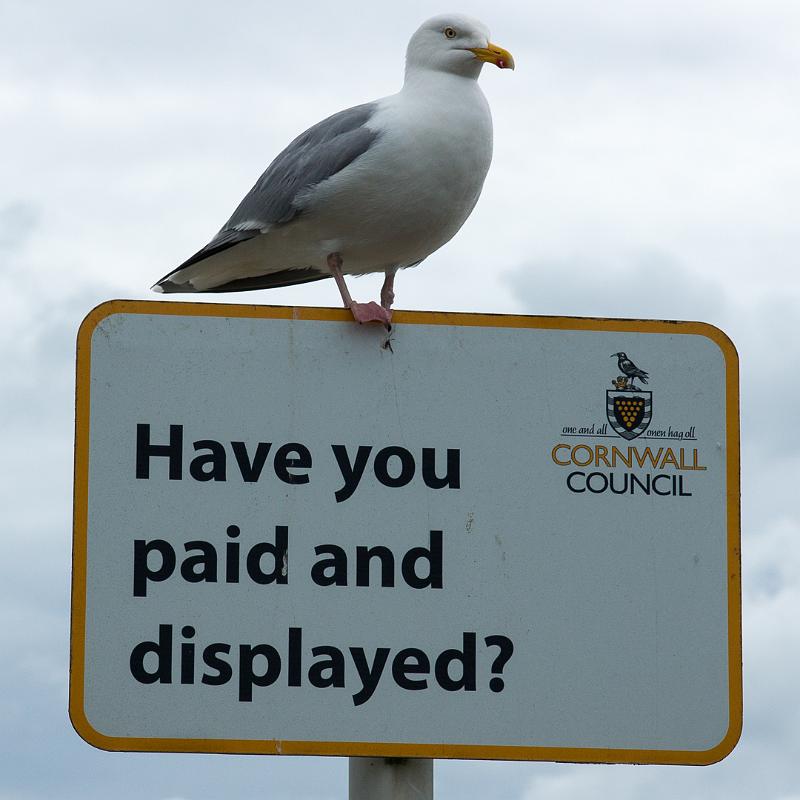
405 749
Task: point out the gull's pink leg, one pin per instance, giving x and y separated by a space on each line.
387 290
362 312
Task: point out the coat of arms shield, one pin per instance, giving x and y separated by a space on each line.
629 412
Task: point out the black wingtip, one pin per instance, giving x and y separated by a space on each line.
222 241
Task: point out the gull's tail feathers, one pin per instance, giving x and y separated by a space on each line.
231 263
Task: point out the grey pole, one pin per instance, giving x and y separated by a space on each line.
391 779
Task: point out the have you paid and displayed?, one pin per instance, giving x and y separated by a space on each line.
164 659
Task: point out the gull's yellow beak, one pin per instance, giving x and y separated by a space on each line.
494 55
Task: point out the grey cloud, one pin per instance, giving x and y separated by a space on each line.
646 285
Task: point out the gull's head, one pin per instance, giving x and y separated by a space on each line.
456 44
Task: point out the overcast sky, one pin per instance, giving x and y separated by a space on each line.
646 165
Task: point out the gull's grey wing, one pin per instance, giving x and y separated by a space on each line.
323 150
314 156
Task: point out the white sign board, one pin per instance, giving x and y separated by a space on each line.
492 539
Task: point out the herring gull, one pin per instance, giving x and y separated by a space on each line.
375 188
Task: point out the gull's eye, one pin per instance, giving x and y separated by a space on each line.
450 33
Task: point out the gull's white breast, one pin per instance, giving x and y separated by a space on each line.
417 184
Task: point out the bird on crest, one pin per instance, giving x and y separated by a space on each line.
630 370
375 188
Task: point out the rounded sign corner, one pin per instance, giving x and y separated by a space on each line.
726 745
721 339
97 315
87 732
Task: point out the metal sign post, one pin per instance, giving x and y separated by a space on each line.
391 779
502 537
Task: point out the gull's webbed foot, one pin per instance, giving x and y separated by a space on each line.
371 312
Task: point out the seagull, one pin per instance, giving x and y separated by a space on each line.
629 369
375 188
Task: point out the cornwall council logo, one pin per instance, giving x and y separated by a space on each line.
629 409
